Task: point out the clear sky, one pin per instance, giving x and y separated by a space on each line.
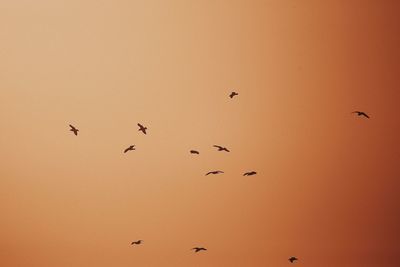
327 184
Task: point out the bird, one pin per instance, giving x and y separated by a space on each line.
194 152
73 129
249 173
132 147
214 172
233 94
137 242
292 259
142 128
360 113
197 249
221 148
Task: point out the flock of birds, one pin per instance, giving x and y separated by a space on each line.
143 129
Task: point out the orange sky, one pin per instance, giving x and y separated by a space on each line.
327 184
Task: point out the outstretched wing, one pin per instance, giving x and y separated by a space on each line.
219 147
364 114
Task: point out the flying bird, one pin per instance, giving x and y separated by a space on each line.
142 128
73 129
249 173
233 94
360 113
129 148
194 152
292 259
137 242
197 249
214 172
221 148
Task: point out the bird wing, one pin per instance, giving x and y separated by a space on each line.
126 150
365 115
73 129
217 146
142 128
208 173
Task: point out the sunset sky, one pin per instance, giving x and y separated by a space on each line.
327 183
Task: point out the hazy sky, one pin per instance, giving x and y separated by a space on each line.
327 184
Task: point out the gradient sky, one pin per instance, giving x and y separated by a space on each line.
327 183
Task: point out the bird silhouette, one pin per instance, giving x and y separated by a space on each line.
233 94
249 173
142 128
292 259
194 152
197 249
221 148
73 129
214 172
132 147
137 242
360 113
